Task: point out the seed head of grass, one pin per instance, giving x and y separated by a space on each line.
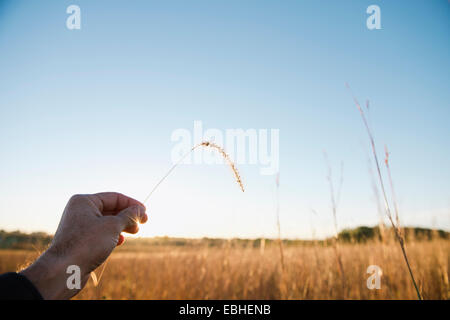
227 159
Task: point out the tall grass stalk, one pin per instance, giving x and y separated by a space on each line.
334 206
202 144
207 144
376 194
280 242
395 224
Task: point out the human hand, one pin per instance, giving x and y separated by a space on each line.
88 232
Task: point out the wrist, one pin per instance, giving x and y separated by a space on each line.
48 274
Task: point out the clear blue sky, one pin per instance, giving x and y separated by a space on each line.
91 110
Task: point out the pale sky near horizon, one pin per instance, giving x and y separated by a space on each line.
91 110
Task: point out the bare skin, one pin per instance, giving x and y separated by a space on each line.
89 230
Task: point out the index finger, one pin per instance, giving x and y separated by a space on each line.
111 203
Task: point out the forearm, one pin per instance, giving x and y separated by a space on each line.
48 275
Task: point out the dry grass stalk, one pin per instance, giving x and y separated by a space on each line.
203 144
375 187
262 245
226 157
334 206
280 242
394 198
395 224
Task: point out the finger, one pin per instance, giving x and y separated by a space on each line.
129 218
111 203
133 229
121 239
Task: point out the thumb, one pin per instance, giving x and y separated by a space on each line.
129 218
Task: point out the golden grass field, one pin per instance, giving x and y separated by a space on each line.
236 271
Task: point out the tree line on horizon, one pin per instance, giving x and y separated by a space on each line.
40 240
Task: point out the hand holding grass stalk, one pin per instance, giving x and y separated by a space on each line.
88 232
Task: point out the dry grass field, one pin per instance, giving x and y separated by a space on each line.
240 271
